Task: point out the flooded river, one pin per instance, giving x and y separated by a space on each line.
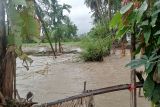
51 80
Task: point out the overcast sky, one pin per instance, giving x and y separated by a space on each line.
80 15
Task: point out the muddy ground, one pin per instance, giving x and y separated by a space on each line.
51 80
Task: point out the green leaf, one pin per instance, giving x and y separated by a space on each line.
157 33
157 3
148 87
136 63
149 67
125 8
155 13
154 58
156 94
145 57
147 33
16 22
145 23
141 10
116 20
158 41
121 32
132 17
31 25
154 19
14 40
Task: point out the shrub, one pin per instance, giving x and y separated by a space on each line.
94 49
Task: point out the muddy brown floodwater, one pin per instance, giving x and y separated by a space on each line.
51 80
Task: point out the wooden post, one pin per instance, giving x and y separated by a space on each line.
85 83
133 73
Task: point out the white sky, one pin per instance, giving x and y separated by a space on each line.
80 15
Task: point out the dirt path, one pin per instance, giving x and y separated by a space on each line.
66 77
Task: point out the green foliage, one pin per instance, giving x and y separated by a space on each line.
95 49
96 44
149 63
99 31
125 8
23 25
149 87
144 23
102 10
21 15
116 21
59 25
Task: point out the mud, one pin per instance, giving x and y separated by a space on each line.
51 80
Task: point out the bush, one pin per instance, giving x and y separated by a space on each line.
94 49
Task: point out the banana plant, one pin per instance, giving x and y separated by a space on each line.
22 24
142 19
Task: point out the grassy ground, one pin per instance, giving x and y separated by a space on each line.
47 44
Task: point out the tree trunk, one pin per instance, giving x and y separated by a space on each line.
7 59
9 68
2 40
109 9
59 43
133 73
55 44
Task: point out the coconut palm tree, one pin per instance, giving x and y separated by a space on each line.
96 8
103 9
55 18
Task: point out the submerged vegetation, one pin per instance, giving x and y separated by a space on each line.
96 44
94 49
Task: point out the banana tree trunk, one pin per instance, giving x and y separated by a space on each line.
7 59
2 40
9 73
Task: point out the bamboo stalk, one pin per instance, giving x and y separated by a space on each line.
91 93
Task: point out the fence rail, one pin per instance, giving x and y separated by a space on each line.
93 93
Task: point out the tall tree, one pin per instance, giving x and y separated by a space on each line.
103 10
55 19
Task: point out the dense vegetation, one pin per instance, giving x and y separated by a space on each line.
57 24
96 44
99 39
142 20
